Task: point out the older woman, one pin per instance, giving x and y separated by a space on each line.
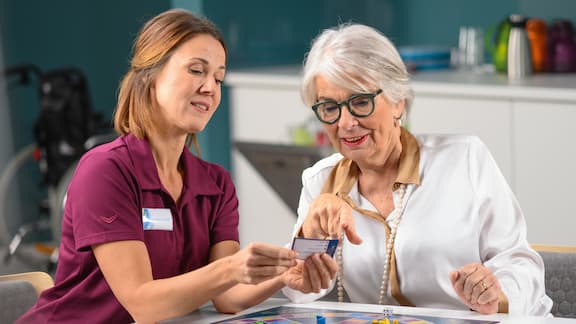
424 220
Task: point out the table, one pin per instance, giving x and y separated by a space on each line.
207 313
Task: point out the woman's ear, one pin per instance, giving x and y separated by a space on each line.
399 108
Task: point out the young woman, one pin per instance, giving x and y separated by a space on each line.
149 230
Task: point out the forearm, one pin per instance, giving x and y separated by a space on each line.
172 297
243 296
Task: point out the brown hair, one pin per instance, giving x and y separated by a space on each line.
154 45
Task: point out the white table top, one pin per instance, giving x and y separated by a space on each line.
207 313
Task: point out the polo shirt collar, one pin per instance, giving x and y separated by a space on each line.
198 182
147 174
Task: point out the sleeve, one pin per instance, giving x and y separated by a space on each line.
102 201
224 226
310 190
504 248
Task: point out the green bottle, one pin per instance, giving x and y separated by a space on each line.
497 45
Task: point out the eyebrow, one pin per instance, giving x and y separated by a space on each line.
325 99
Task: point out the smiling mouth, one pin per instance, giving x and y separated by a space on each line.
352 140
200 106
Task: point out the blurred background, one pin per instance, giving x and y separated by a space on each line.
95 37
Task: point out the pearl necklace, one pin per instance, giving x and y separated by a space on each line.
389 246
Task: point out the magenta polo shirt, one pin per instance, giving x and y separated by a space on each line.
112 185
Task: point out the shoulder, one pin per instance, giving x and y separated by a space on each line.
206 178
321 169
104 170
105 165
105 157
466 153
451 145
447 141
213 170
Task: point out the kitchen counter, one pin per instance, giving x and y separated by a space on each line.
556 87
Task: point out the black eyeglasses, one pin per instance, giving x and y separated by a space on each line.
359 105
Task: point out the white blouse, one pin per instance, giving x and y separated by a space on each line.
462 212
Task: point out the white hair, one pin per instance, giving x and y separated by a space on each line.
357 58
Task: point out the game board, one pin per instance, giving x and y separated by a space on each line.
295 315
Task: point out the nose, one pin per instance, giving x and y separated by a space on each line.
347 120
208 85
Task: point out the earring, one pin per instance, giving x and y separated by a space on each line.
398 121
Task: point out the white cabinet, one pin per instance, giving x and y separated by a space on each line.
527 125
545 169
489 119
263 109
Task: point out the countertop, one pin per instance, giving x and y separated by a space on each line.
559 87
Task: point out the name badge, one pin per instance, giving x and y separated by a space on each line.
157 219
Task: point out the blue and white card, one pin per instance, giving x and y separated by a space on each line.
306 246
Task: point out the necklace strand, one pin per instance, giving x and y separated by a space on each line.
389 245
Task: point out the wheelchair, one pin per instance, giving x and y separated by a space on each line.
65 129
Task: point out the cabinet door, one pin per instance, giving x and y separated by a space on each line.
545 168
488 119
263 114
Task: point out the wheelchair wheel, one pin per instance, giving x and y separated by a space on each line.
58 201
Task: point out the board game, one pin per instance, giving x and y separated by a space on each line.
295 315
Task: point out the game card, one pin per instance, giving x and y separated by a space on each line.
306 247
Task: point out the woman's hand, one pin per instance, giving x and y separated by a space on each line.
312 274
328 216
259 262
477 287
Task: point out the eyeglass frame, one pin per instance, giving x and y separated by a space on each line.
346 102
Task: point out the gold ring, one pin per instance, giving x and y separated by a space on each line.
484 285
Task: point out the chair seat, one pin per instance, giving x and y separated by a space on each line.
16 297
19 292
560 277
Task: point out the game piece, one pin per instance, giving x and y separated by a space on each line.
387 313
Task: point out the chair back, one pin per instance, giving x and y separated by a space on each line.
18 292
560 276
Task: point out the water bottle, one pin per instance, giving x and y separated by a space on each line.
519 60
